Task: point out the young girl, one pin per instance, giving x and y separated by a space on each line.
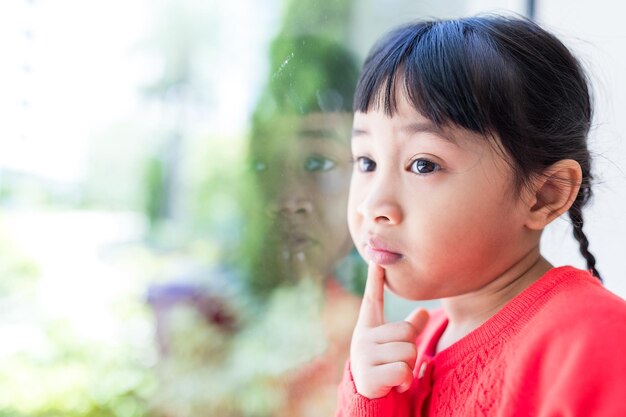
469 138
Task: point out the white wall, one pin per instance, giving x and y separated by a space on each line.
596 32
372 18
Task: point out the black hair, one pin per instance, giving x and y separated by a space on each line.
499 76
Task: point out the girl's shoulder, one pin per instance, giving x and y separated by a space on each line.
572 291
570 306
568 345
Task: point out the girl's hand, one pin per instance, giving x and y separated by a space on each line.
382 355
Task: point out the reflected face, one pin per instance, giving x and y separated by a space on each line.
303 168
436 208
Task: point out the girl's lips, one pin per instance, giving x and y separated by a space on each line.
376 252
296 241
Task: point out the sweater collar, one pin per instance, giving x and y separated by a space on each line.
514 315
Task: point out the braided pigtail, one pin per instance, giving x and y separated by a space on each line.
575 213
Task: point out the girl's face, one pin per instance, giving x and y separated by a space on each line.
304 173
436 208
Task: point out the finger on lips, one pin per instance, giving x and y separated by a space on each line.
383 354
372 306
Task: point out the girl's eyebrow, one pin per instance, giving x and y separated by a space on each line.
319 133
411 129
426 127
323 134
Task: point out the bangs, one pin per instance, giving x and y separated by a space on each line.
445 69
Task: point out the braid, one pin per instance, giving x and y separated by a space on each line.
575 213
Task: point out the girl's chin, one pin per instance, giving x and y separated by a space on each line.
304 265
414 290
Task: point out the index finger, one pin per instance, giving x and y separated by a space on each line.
372 312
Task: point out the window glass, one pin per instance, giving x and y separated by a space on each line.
174 178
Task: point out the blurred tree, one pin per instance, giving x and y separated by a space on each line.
155 190
185 33
18 273
71 377
328 18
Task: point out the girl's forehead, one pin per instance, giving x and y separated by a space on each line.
406 119
404 122
401 110
410 128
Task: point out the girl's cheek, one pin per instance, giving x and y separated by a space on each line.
354 217
333 182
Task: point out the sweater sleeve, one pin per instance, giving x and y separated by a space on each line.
352 404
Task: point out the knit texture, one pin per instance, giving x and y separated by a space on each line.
556 349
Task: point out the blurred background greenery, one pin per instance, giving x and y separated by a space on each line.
137 273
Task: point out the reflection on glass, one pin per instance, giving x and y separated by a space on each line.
300 155
300 161
273 340
303 168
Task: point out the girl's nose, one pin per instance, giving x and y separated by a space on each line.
291 205
379 206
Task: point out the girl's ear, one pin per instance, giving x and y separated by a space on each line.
553 193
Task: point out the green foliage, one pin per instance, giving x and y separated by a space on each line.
212 372
49 369
213 174
117 160
308 74
317 16
18 273
154 180
71 377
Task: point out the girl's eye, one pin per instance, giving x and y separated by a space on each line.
260 166
365 164
424 166
318 163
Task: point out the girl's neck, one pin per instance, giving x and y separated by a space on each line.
468 311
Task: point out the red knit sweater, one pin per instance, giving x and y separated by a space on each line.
557 349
